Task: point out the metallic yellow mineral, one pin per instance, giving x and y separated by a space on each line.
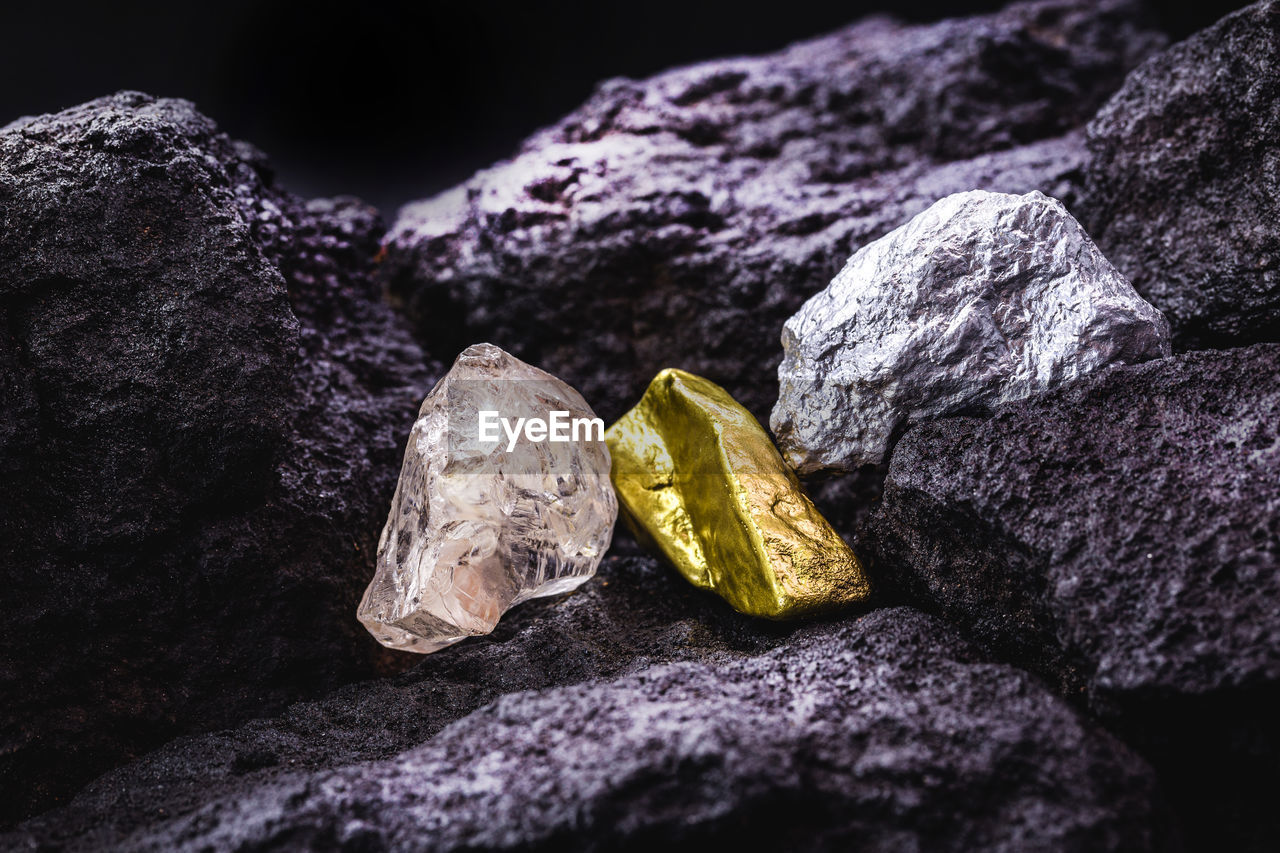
700 481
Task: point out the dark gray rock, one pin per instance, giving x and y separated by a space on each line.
635 614
1122 537
678 221
1183 181
204 400
881 732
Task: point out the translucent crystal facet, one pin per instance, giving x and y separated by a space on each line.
477 526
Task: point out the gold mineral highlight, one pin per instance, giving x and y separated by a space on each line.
704 486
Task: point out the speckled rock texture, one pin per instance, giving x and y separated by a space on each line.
204 400
883 732
1122 537
679 220
1183 181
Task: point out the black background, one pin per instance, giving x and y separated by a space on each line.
396 102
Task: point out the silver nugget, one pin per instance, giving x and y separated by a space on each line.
982 299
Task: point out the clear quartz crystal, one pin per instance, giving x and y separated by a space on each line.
475 527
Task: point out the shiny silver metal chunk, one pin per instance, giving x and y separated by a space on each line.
982 299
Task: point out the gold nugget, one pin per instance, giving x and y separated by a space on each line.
700 481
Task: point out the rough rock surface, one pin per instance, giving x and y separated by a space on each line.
883 731
203 405
678 221
982 299
1183 181
477 526
1121 536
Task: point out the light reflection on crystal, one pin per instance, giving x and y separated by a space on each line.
474 528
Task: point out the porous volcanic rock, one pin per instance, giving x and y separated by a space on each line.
883 732
1122 537
204 400
1183 182
679 220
